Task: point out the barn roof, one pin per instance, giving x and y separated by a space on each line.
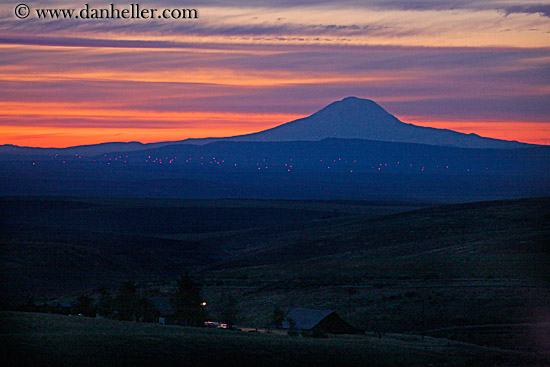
306 319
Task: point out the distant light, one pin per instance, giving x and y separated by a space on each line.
203 304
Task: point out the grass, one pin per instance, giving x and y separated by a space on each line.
53 340
103 242
468 273
465 265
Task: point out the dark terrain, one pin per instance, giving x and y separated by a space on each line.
472 273
328 169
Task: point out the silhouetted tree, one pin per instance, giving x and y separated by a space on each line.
85 306
229 312
106 304
187 302
30 306
277 317
126 301
146 311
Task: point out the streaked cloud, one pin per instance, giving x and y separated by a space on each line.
249 65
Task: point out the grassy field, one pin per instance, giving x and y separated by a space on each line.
468 273
452 266
102 242
53 340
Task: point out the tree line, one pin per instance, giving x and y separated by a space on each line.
130 304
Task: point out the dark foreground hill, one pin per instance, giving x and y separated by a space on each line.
53 340
53 246
465 272
445 267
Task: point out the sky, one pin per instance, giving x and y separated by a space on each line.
245 66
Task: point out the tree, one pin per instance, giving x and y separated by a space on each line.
229 311
126 301
85 306
277 317
188 302
146 311
106 303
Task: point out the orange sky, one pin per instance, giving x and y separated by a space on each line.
476 67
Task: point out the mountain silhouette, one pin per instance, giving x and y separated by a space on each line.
350 118
356 118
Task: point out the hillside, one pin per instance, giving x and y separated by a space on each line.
444 267
387 267
46 340
102 242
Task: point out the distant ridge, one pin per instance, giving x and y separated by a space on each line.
350 118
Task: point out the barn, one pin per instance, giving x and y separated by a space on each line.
326 321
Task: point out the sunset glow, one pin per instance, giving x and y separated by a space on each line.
240 68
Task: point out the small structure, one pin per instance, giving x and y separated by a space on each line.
326 321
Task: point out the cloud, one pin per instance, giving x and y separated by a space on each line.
255 64
371 22
540 9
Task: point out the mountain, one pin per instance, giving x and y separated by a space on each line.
86 150
350 118
356 118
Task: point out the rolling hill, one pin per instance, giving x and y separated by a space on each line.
377 264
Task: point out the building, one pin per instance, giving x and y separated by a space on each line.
326 321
